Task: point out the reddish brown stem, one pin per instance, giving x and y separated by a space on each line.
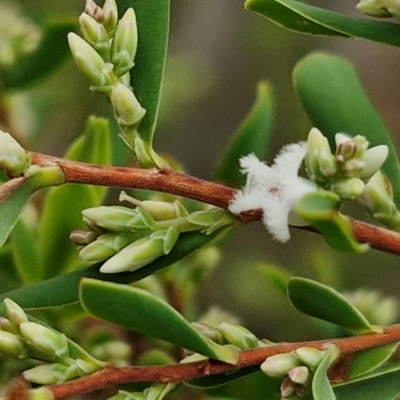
169 181
183 372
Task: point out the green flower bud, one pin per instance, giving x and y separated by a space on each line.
50 374
42 393
393 6
142 252
110 16
327 166
209 332
299 375
47 344
373 8
124 44
95 34
287 389
127 109
373 159
113 218
15 314
238 335
278 365
12 345
13 157
309 356
89 61
352 168
348 188
94 11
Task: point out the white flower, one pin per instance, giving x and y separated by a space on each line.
274 189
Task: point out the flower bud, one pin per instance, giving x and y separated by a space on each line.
348 188
287 388
124 44
373 159
94 11
15 314
127 109
278 365
393 6
299 375
110 16
209 331
46 343
94 33
50 374
309 356
13 157
238 335
41 393
373 8
12 345
82 237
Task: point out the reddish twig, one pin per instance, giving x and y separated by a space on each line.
169 181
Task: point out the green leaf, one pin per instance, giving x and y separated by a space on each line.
323 302
321 210
15 194
382 384
63 206
277 276
303 18
50 53
368 360
252 137
147 74
63 290
320 386
141 311
286 18
335 101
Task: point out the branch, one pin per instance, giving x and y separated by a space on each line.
182 372
169 181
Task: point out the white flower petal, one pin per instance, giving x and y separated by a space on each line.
289 159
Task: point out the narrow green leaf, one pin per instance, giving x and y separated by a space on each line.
63 205
252 137
335 101
321 210
321 387
63 290
147 74
141 311
323 302
368 360
382 384
286 18
50 53
15 194
277 276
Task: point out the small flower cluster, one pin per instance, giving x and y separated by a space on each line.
105 55
380 8
62 359
157 391
132 238
296 368
14 159
347 170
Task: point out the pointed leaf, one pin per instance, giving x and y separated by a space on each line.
368 360
63 206
321 387
50 53
252 137
321 210
382 384
141 311
147 74
277 276
335 101
323 302
63 290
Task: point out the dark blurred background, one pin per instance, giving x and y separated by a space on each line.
218 52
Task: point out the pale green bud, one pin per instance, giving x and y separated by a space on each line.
209 332
299 375
348 188
278 365
287 389
42 393
373 8
238 335
89 61
110 16
127 109
105 246
142 252
393 6
46 343
353 167
94 11
327 165
95 34
50 374
12 345
309 356
373 159
124 44
13 157
15 314
82 237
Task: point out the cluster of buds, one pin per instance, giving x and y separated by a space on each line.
380 8
14 159
18 35
62 359
105 55
131 238
157 391
347 170
296 369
